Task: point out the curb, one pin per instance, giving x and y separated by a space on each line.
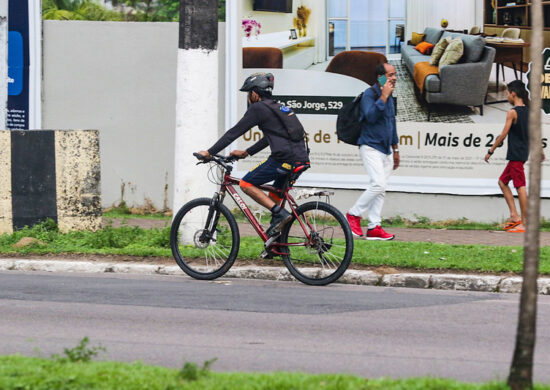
489 283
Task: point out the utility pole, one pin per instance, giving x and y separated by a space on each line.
197 97
3 63
521 370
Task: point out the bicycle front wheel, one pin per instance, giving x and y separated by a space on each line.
204 239
320 244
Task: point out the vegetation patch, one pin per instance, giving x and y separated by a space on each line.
125 10
18 372
135 241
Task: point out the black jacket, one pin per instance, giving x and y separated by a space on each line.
276 136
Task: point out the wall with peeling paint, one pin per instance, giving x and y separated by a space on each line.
78 178
5 182
119 78
50 174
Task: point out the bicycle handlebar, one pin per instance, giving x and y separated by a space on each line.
218 159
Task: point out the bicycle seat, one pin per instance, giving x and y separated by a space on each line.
297 170
301 168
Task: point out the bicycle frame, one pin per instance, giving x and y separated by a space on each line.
227 186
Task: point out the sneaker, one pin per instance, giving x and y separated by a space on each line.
355 225
278 221
379 234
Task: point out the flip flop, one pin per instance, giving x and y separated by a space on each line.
509 225
516 230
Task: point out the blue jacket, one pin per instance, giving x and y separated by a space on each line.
379 130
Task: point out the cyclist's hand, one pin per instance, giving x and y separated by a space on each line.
239 153
205 154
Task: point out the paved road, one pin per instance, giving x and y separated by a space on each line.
266 326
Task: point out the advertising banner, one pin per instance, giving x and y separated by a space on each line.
442 146
24 65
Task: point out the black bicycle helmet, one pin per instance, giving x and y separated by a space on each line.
259 81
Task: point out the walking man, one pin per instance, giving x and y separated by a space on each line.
378 148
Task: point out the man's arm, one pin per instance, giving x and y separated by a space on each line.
258 146
372 107
395 141
251 151
248 121
395 137
396 157
510 117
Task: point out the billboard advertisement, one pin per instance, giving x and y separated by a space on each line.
446 122
24 65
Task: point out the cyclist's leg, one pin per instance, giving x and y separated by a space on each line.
283 172
284 179
267 171
261 174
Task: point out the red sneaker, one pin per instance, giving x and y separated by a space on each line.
379 234
355 225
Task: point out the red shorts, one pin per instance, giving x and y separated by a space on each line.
514 171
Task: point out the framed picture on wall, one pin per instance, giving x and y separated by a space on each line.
293 34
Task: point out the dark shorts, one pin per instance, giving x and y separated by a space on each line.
268 170
514 171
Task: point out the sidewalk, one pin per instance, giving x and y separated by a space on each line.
388 277
381 276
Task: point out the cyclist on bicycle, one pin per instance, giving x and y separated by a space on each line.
282 132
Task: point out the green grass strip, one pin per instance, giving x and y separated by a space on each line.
135 241
418 222
423 255
122 214
17 372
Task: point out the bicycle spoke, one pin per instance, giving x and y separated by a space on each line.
204 240
219 251
326 244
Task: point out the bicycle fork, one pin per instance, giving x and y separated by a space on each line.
211 220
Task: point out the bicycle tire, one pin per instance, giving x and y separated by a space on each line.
327 257
198 252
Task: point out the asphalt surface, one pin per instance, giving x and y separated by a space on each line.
268 326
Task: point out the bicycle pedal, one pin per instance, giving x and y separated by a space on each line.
271 240
265 254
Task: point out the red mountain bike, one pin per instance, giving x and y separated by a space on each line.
316 245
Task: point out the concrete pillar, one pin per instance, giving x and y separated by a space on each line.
197 97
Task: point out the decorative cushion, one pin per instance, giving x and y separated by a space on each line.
417 38
433 34
473 48
424 47
453 52
438 50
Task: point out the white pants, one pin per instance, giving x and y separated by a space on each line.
378 166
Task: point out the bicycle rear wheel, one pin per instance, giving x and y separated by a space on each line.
204 239
321 253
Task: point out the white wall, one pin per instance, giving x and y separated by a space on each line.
119 78
368 20
277 21
461 14
317 26
271 21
